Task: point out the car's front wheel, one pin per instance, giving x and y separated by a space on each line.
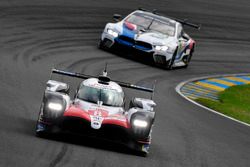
142 149
171 62
41 129
100 44
105 44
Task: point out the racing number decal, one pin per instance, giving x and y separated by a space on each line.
98 113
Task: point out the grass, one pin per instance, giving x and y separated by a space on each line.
233 102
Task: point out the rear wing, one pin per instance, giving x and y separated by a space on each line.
83 76
183 22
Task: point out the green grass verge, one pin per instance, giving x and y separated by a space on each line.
233 102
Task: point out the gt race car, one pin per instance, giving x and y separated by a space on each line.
152 35
97 110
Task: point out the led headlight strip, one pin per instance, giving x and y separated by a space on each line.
55 106
140 123
161 48
112 32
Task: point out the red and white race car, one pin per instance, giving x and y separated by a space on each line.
97 110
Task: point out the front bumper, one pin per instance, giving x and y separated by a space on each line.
82 127
79 127
159 57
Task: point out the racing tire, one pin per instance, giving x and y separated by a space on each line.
191 55
40 133
170 66
189 59
138 150
143 154
100 44
104 44
44 130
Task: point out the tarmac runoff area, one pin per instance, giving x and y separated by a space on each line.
209 87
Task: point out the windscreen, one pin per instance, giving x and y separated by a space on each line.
148 22
109 97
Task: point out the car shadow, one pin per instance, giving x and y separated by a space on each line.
131 54
26 126
91 142
140 57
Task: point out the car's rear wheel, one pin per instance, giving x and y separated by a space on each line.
188 59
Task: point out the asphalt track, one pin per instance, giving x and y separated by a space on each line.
36 35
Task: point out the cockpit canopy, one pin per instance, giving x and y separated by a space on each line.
109 97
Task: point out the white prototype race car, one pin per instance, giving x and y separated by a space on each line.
97 111
152 34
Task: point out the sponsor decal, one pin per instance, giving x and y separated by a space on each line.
145 147
119 118
40 127
101 86
130 26
98 112
96 122
96 119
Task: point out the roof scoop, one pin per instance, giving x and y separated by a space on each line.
104 79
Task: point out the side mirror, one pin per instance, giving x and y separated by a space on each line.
117 17
185 36
57 86
181 39
65 90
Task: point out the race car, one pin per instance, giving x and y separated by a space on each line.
97 110
151 34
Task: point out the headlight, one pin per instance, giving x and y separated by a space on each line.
140 123
161 48
113 33
55 106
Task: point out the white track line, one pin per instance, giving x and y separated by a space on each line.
179 86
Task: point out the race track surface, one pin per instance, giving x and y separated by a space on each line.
36 35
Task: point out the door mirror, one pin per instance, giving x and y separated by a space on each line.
185 36
117 17
181 39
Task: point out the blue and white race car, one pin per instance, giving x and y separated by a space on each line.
150 33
